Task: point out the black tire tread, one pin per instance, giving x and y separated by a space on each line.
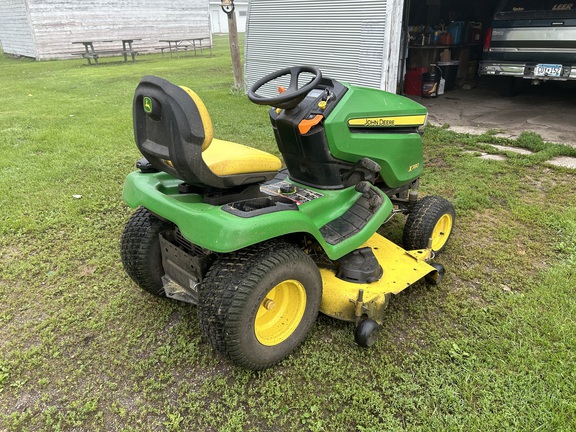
220 307
422 220
140 250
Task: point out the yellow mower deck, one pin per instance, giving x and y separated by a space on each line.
402 268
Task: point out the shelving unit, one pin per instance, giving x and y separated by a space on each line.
425 55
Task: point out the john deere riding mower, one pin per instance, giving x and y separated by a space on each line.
259 248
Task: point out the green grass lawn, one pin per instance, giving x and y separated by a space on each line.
492 348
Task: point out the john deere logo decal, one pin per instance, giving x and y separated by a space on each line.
385 122
147 102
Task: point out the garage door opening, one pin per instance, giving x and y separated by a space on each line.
444 43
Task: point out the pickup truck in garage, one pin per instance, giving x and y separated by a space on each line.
530 40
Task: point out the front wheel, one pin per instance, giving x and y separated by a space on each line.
257 305
431 218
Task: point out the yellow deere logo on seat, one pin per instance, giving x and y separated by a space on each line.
147 102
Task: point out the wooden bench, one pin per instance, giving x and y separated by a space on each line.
199 44
186 44
90 53
106 53
174 49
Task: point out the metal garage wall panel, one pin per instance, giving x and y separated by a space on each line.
371 52
345 38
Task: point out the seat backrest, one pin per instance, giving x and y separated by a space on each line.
172 128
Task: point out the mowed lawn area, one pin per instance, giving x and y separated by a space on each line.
492 348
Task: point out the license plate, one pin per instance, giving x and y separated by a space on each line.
548 70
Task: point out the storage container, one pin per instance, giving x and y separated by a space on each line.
449 73
430 83
456 29
413 81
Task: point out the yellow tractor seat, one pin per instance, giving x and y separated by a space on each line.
173 130
226 158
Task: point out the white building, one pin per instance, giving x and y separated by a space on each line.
45 29
219 20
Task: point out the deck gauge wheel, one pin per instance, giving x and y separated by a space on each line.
366 333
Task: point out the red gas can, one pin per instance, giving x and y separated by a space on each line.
413 81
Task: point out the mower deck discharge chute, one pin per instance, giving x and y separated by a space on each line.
260 249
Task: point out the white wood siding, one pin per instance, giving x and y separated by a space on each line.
56 23
392 58
15 32
356 41
219 20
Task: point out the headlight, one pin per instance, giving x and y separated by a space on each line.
421 128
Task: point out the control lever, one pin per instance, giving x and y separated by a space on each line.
327 95
363 164
365 188
370 165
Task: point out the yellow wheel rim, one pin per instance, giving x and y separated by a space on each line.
280 312
441 231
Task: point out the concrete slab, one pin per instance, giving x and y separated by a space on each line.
548 110
518 150
493 157
563 161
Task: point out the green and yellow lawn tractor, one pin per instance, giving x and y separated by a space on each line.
261 249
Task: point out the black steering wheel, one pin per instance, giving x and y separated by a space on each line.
293 95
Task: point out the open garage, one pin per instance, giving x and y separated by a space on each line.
391 44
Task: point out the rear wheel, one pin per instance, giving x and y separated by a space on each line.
431 218
257 305
140 250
